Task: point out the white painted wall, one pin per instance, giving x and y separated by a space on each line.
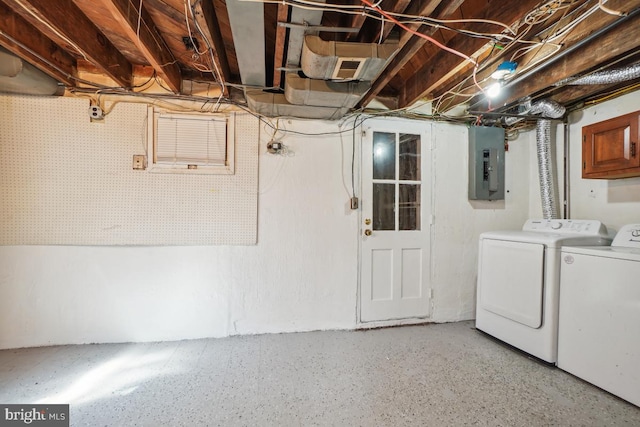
459 221
614 202
302 274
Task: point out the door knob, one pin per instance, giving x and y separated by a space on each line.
367 232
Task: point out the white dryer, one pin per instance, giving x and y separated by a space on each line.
519 279
599 328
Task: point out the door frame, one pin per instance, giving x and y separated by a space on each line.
397 125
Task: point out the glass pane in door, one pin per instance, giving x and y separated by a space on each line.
384 155
409 157
409 209
384 203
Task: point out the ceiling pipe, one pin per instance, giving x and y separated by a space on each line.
518 78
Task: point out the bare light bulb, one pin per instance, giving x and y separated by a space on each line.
494 90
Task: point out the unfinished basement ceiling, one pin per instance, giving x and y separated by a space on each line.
443 51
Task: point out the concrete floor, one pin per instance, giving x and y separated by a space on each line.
434 375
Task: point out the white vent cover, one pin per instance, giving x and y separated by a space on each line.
182 142
348 68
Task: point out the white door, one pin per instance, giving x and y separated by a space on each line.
395 227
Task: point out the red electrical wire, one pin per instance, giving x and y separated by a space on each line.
432 40
424 36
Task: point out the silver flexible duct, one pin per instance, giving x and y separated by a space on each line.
550 109
617 75
545 171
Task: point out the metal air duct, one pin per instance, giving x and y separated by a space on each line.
330 60
617 75
20 77
275 105
323 93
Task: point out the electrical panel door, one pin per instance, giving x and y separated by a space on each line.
486 163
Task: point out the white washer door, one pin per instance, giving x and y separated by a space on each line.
511 279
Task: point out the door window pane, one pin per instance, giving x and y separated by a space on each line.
409 157
384 201
409 209
384 155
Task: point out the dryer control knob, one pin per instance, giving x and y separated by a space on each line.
556 225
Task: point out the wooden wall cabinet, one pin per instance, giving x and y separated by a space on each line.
610 148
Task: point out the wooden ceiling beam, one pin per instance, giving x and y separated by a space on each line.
205 16
620 41
370 31
147 39
408 46
24 40
529 59
281 35
357 21
445 65
67 20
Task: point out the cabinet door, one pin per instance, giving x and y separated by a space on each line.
610 148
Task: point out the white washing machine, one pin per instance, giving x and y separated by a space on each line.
519 280
599 328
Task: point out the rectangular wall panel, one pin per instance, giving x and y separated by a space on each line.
67 181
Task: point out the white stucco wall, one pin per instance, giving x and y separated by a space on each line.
302 274
459 221
614 202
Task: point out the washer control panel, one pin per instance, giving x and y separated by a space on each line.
628 236
567 226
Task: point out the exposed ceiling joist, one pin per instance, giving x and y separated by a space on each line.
546 51
357 21
603 49
23 39
68 21
409 45
445 65
147 39
370 31
281 35
205 16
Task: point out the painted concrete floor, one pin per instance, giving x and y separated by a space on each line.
433 375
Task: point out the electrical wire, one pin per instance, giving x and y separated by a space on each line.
217 74
416 33
609 11
186 20
357 9
613 94
139 19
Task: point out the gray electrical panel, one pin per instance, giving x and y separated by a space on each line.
486 163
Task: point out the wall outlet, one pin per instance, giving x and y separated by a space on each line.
96 114
354 203
139 162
